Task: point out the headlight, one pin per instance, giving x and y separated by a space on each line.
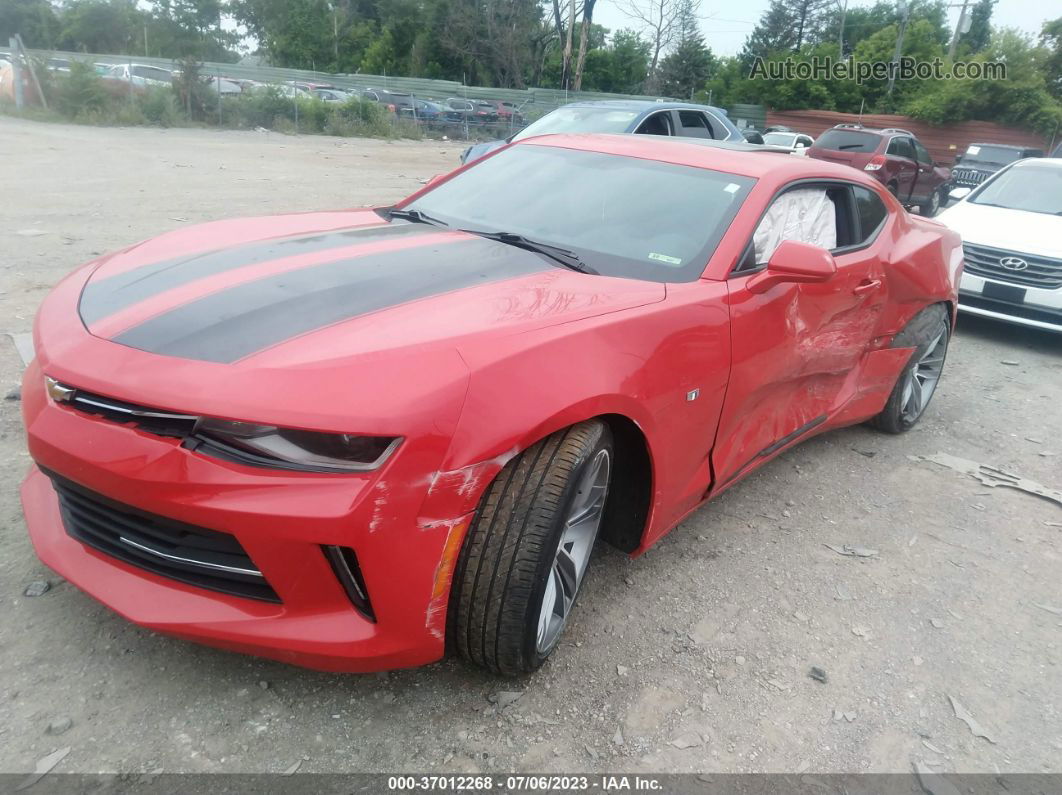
288 448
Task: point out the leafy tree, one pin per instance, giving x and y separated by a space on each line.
686 68
1051 41
785 26
34 20
977 37
1022 99
106 26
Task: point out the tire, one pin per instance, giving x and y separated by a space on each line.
928 333
508 565
932 205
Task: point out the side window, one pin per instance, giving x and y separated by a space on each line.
694 124
657 124
901 147
922 154
803 139
871 212
804 214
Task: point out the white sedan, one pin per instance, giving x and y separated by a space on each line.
1011 227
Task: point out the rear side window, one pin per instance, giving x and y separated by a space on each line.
694 124
871 211
848 141
901 147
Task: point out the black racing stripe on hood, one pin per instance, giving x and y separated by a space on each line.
234 323
110 294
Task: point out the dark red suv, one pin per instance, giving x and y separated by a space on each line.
892 156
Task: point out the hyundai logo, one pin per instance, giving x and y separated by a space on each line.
1014 263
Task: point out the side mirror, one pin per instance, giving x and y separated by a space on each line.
800 144
794 263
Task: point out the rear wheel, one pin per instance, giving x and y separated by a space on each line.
931 205
525 556
928 333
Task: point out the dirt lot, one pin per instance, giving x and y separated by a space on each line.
692 658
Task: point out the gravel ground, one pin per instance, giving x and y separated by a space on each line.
695 657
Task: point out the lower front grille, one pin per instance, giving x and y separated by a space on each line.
1024 311
183 552
1029 270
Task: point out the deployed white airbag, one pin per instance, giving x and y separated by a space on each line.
805 215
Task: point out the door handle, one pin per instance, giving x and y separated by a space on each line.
868 286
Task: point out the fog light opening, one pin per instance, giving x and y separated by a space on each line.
345 565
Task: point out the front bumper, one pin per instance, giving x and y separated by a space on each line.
1038 307
282 519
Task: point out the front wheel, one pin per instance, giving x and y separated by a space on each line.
928 333
526 553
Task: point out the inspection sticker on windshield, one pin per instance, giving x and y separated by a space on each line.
732 187
665 258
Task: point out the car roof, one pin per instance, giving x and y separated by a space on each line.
1034 162
743 159
641 105
1006 146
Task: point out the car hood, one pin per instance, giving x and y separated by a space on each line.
309 288
999 227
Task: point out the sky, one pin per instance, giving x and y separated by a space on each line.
726 25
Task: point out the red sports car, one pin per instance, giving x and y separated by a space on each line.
353 440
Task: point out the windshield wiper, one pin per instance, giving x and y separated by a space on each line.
416 216
569 259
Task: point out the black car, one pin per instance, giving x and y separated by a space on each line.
981 161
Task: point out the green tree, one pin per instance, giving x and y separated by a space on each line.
105 26
686 68
34 20
1051 41
978 36
1022 99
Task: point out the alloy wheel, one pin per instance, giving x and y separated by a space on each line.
922 378
573 551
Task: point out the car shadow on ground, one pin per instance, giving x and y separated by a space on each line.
986 329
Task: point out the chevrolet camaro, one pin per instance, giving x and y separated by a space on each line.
357 440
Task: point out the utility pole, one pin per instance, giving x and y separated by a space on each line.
962 26
905 14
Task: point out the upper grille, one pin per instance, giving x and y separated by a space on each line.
967 176
164 423
183 552
1039 271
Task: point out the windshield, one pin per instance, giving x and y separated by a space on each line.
997 155
779 139
579 120
848 141
1033 188
622 216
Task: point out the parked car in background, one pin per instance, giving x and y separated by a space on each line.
331 94
58 64
394 101
356 440
507 112
797 143
141 75
981 161
474 111
752 136
1011 227
642 117
425 111
894 157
